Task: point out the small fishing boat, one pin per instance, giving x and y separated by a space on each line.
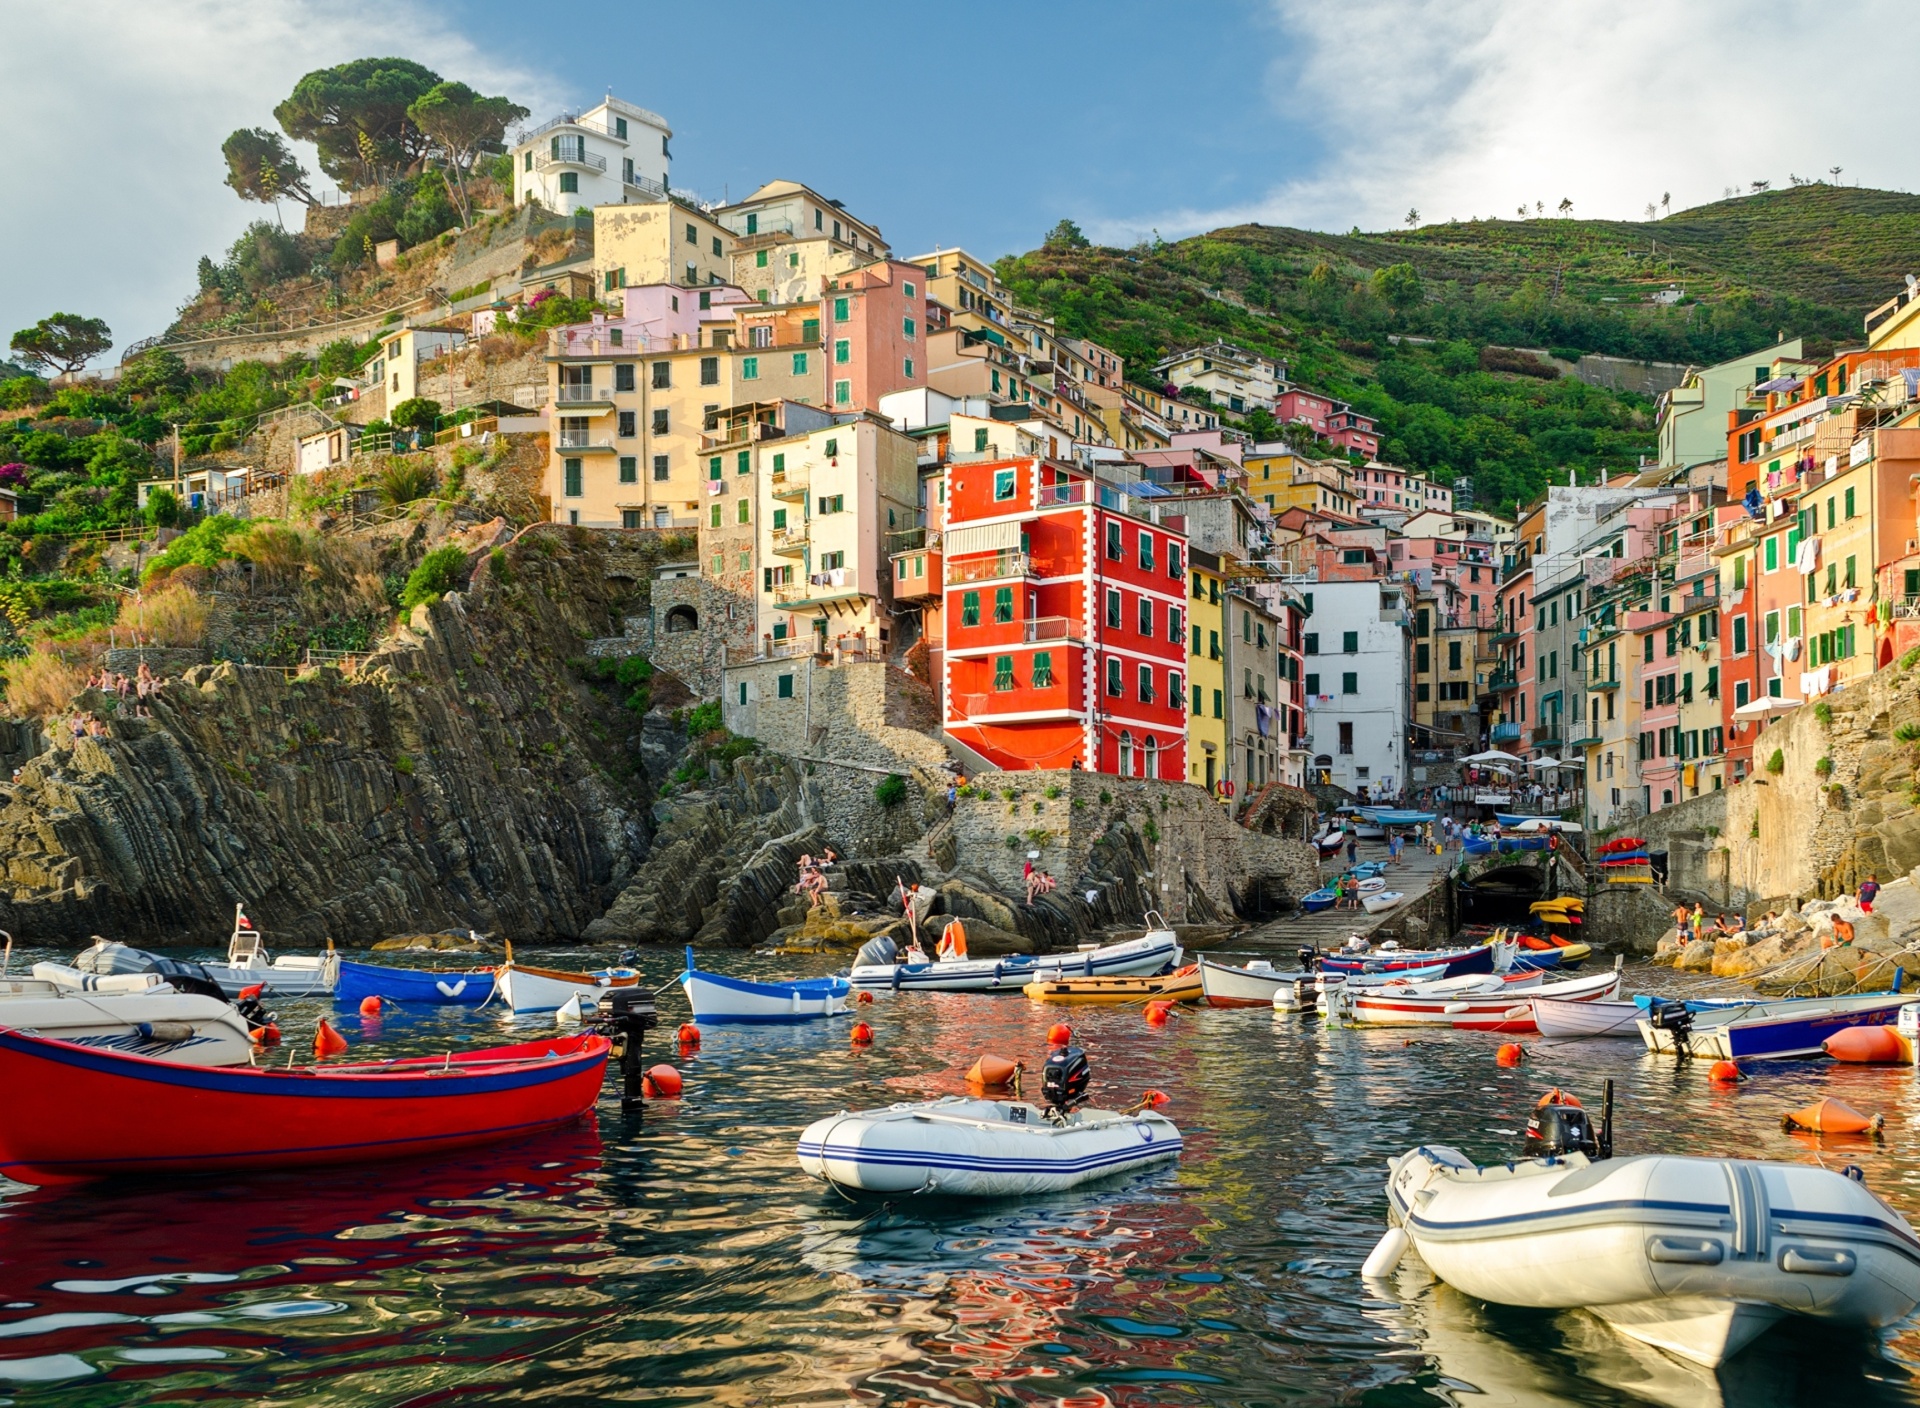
1557 1018
422 987
169 1118
1381 900
1361 824
1694 1256
1764 1030
527 989
1519 1018
1476 846
1181 985
1252 986
1369 885
1328 843
288 975
1438 1004
1151 952
1481 958
1316 900
715 997
990 1148
141 1014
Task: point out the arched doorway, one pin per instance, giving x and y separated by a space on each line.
682 619
1126 754
1150 757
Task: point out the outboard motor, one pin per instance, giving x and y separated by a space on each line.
626 1015
1064 1081
1675 1017
1309 956
1560 1125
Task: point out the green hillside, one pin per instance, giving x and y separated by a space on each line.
1809 260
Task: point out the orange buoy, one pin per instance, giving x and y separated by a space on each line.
1154 1099
1832 1117
1557 1096
1156 1014
1874 1046
1726 1073
327 1041
990 1071
1511 1053
862 1034
864 996
269 1035
1059 1034
369 1006
661 1082
689 1036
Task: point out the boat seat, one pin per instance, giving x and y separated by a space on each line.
73 980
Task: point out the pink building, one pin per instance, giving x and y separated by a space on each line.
874 324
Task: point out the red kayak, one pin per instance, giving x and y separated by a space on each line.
75 1112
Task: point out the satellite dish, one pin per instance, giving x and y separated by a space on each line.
1912 283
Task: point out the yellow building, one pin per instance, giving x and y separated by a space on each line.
659 242
969 287
1208 760
1282 479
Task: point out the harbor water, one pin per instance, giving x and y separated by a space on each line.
684 1258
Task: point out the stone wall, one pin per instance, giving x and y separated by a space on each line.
721 621
1199 859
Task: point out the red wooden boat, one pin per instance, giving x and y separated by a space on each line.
77 1112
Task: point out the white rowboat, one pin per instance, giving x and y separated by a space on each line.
550 989
1152 951
981 1148
715 997
1256 985
1381 900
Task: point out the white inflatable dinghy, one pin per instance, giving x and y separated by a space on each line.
1694 1256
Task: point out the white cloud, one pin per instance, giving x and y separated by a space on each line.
115 113
1468 109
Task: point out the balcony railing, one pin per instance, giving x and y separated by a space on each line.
566 120
1546 735
1502 679
1051 495
585 158
581 440
581 396
791 542
1505 733
646 185
788 486
799 593
1607 682
1040 629
999 567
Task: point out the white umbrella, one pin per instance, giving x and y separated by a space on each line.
1492 755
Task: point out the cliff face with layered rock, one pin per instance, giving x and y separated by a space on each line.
462 776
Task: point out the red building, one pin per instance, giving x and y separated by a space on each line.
1334 421
1065 623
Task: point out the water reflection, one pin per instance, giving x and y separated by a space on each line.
686 1260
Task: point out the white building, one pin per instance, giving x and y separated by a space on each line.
610 154
1238 380
1355 668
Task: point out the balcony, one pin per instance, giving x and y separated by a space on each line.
645 186
566 120
795 595
999 567
791 542
1502 679
788 486
584 159
1502 635
1505 733
582 442
1546 735
1041 629
1597 684
1582 744
1055 495
583 396
1011 701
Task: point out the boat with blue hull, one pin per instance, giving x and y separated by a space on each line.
1765 1030
1452 963
419 986
715 997
1316 900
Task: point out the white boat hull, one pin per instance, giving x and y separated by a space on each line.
1135 958
981 1148
536 992
715 999
189 1028
1672 1251
284 977
1559 1017
1440 1004
1770 1030
1226 986
1381 901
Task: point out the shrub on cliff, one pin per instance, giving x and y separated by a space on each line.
203 545
439 572
171 618
41 683
891 790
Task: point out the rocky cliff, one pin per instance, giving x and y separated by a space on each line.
464 775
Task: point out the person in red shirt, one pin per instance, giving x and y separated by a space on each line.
1868 890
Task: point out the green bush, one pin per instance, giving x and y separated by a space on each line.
1778 762
1823 711
703 719
891 790
163 508
439 572
1823 768
502 570
403 481
403 765
1908 660
1907 732
1151 832
417 413
203 545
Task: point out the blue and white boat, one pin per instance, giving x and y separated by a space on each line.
1391 816
419 986
1153 951
1316 900
715 997
1795 1026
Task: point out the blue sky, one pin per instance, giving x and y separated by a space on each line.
976 124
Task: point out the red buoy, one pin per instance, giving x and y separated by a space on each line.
689 1036
1726 1073
369 1006
269 1035
662 1082
1059 1034
327 1041
1511 1053
1154 1099
862 1034
864 996
1156 1014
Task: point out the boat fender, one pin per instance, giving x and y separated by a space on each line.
1725 1073
1059 1034
327 1041
370 1006
1511 1053
994 1073
661 1082
569 1011
1385 1255
1150 1099
165 1031
689 1036
862 1034
1831 1117
252 992
896 976
1867 1046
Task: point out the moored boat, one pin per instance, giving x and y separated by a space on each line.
424 987
1437 1004
526 989
1316 900
1568 992
1381 900
1181 985
715 997
1151 952
1252 986
1764 1030
287 975
1694 1256
141 1014
1481 958
169 1118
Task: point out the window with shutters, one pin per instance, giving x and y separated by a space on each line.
1042 669
1350 642
743 511
1113 609
662 468
709 371
799 364
1146 551
1146 684
1113 677
629 469
1003 604
571 470
629 425
1113 540
970 609
1003 672
840 310
1175 627
1349 683
623 375
1146 615
749 369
